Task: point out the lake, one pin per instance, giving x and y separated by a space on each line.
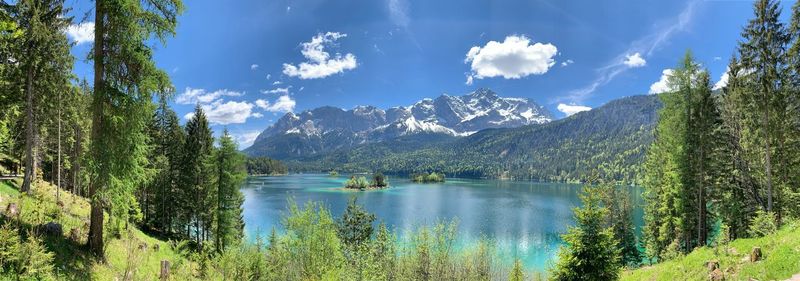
524 219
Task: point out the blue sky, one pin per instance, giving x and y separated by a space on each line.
248 62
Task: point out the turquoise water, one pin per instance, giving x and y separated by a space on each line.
523 219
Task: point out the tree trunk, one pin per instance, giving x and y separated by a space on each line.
768 152
58 169
30 131
99 101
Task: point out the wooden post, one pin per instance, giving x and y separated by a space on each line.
164 270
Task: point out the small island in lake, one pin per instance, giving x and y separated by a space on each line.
378 181
427 178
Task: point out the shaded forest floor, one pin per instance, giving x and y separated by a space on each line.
780 261
130 254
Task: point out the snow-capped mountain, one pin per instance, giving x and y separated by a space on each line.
330 128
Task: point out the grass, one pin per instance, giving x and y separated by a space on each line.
781 260
130 252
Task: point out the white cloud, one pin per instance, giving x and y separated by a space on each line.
257 115
231 112
301 89
567 62
514 58
662 85
398 12
570 109
253 66
644 45
269 76
283 104
469 80
81 33
635 60
192 96
723 80
717 58
284 91
320 63
262 103
246 139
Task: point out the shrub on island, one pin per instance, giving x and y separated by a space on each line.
426 177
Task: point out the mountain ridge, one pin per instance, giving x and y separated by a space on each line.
327 128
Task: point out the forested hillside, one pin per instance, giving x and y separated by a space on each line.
611 139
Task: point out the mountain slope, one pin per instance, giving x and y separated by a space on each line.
611 140
326 129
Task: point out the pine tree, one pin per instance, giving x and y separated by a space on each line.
355 225
516 274
45 66
763 52
198 193
125 79
231 174
591 252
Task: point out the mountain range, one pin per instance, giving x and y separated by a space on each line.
328 129
609 142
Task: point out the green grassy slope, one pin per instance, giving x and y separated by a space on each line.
130 252
781 260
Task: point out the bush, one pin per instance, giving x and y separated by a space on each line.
28 261
356 183
379 180
763 224
426 178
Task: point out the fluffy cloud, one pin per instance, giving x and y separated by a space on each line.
662 85
276 82
320 63
635 60
283 104
254 67
567 62
81 33
570 109
284 91
723 80
231 112
514 58
192 96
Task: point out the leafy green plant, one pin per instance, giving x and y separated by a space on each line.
763 224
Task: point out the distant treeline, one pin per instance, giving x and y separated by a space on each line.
265 166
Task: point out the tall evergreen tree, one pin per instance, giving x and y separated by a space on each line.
198 194
45 66
763 53
125 79
591 252
231 172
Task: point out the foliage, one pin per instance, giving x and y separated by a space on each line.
763 224
426 178
355 225
780 250
517 274
265 166
230 166
356 183
126 78
591 249
379 180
